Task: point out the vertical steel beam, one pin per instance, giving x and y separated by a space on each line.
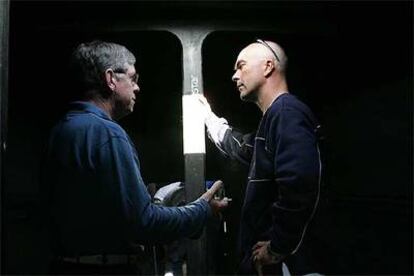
194 137
4 72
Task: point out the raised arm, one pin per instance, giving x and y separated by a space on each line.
230 142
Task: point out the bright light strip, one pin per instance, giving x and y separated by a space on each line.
193 125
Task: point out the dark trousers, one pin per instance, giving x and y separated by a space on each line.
59 267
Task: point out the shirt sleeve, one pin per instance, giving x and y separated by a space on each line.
238 146
143 220
297 174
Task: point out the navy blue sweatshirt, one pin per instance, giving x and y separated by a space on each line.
284 178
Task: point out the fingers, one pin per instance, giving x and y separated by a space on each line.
204 102
257 256
209 194
259 244
218 205
256 253
202 99
222 203
216 187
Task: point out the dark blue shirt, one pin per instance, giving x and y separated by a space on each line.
97 197
284 178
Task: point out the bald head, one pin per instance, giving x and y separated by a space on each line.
260 73
266 50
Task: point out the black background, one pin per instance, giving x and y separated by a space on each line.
351 62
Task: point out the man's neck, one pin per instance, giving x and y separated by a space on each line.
104 105
270 93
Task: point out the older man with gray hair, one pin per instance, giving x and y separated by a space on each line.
100 210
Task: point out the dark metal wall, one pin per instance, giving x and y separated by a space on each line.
351 62
4 79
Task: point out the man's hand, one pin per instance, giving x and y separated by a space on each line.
262 254
216 127
209 116
215 204
213 190
205 106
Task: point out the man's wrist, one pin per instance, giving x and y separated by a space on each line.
211 117
276 257
216 129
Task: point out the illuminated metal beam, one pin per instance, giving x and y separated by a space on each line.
194 137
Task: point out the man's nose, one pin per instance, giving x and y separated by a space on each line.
136 88
235 77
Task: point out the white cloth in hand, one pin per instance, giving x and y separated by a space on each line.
216 127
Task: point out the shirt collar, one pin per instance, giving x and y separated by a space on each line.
89 108
281 94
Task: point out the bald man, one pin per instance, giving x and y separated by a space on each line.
283 186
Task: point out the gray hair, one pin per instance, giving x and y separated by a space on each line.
90 60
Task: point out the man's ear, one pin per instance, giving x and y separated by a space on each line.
269 67
110 79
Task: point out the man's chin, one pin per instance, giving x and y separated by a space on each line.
120 115
246 97
243 96
130 109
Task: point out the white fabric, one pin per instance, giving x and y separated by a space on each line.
216 127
